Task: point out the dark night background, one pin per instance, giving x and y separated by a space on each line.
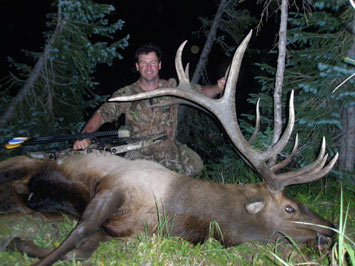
166 23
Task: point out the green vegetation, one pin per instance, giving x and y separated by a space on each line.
57 85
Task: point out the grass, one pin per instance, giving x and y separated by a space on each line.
331 201
342 251
344 247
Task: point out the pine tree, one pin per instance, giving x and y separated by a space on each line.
61 84
318 41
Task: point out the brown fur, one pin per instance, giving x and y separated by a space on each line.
125 197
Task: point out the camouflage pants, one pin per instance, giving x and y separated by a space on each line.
173 155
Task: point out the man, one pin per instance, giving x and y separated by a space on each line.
144 119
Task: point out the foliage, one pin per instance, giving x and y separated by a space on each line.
66 86
232 27
318 41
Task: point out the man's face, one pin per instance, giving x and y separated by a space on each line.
148 66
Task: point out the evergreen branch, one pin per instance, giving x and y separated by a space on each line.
35 74
264 13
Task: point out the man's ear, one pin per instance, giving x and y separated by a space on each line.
137 67
159 65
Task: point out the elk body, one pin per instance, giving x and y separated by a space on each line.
125 198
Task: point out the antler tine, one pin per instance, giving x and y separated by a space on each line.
226 111
234 69
289 158
309 169
310 173
182 75
308 177
226 74
257 124
187 71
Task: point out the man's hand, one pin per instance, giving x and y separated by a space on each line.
81 144
94 123
220 84
213 90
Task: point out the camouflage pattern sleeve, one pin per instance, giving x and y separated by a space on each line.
171 83
110 111
196 87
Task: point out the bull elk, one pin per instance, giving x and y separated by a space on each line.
123 198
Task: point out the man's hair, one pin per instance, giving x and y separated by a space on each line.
146 49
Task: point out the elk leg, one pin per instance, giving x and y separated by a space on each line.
28 247
88 246
82 252
95 214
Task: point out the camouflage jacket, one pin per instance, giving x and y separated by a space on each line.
141 117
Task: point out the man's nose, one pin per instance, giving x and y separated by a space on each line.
149 65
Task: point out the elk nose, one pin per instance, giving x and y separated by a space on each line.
323 240
325 237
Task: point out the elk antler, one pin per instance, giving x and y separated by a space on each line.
224 109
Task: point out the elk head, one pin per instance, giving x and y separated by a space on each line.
271 207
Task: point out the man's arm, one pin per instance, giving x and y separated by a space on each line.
213 90
92 125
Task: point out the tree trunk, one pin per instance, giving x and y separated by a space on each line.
347 142
279 78
209 42
204 54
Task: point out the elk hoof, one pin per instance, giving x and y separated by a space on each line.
4 243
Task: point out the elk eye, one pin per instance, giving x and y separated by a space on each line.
289 209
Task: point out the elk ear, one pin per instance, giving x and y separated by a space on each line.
254 206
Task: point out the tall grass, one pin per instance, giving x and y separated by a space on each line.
344 247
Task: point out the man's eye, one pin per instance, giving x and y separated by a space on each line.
153 63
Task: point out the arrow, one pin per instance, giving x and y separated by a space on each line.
18 141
